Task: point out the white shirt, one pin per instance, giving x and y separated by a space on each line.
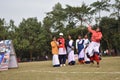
86 42
78 41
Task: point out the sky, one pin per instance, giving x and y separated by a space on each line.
19 9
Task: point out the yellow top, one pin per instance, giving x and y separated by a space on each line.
54 47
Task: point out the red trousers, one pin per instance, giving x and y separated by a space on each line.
95 57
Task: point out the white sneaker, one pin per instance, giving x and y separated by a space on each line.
61 65
64 65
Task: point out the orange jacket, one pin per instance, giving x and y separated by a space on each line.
96 36
54 47
61 42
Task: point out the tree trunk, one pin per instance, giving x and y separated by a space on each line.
118 24
99 17
117 52
3 38
81 22
109 46
30 55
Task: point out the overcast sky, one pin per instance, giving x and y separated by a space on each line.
18 9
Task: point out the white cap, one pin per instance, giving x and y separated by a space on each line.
61 34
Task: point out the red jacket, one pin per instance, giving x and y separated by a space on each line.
96 36
61 42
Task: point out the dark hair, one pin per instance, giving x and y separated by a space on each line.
80 35
53 37
86 35
100 28
69 34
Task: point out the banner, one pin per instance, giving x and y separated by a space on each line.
7 55
13 60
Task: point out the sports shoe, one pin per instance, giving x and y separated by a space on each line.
64 65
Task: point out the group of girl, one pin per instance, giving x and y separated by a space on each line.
88 52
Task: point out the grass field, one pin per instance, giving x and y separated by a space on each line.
109 70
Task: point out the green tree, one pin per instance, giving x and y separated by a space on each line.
78 14
58 16
116 13
70 17
99 6
111 37
3 29
83 12
116 9
11 28
29 36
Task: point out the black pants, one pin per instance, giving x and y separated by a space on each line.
56 65
62 59
72 63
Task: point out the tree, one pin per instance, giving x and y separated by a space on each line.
47 26
3 29
99 6
116 9
116 13
57 16
78 14
83 12
11 28
30 36
70 17
111 37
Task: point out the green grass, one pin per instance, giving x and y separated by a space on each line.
109 70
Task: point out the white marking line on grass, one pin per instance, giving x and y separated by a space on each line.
62 72
111 57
